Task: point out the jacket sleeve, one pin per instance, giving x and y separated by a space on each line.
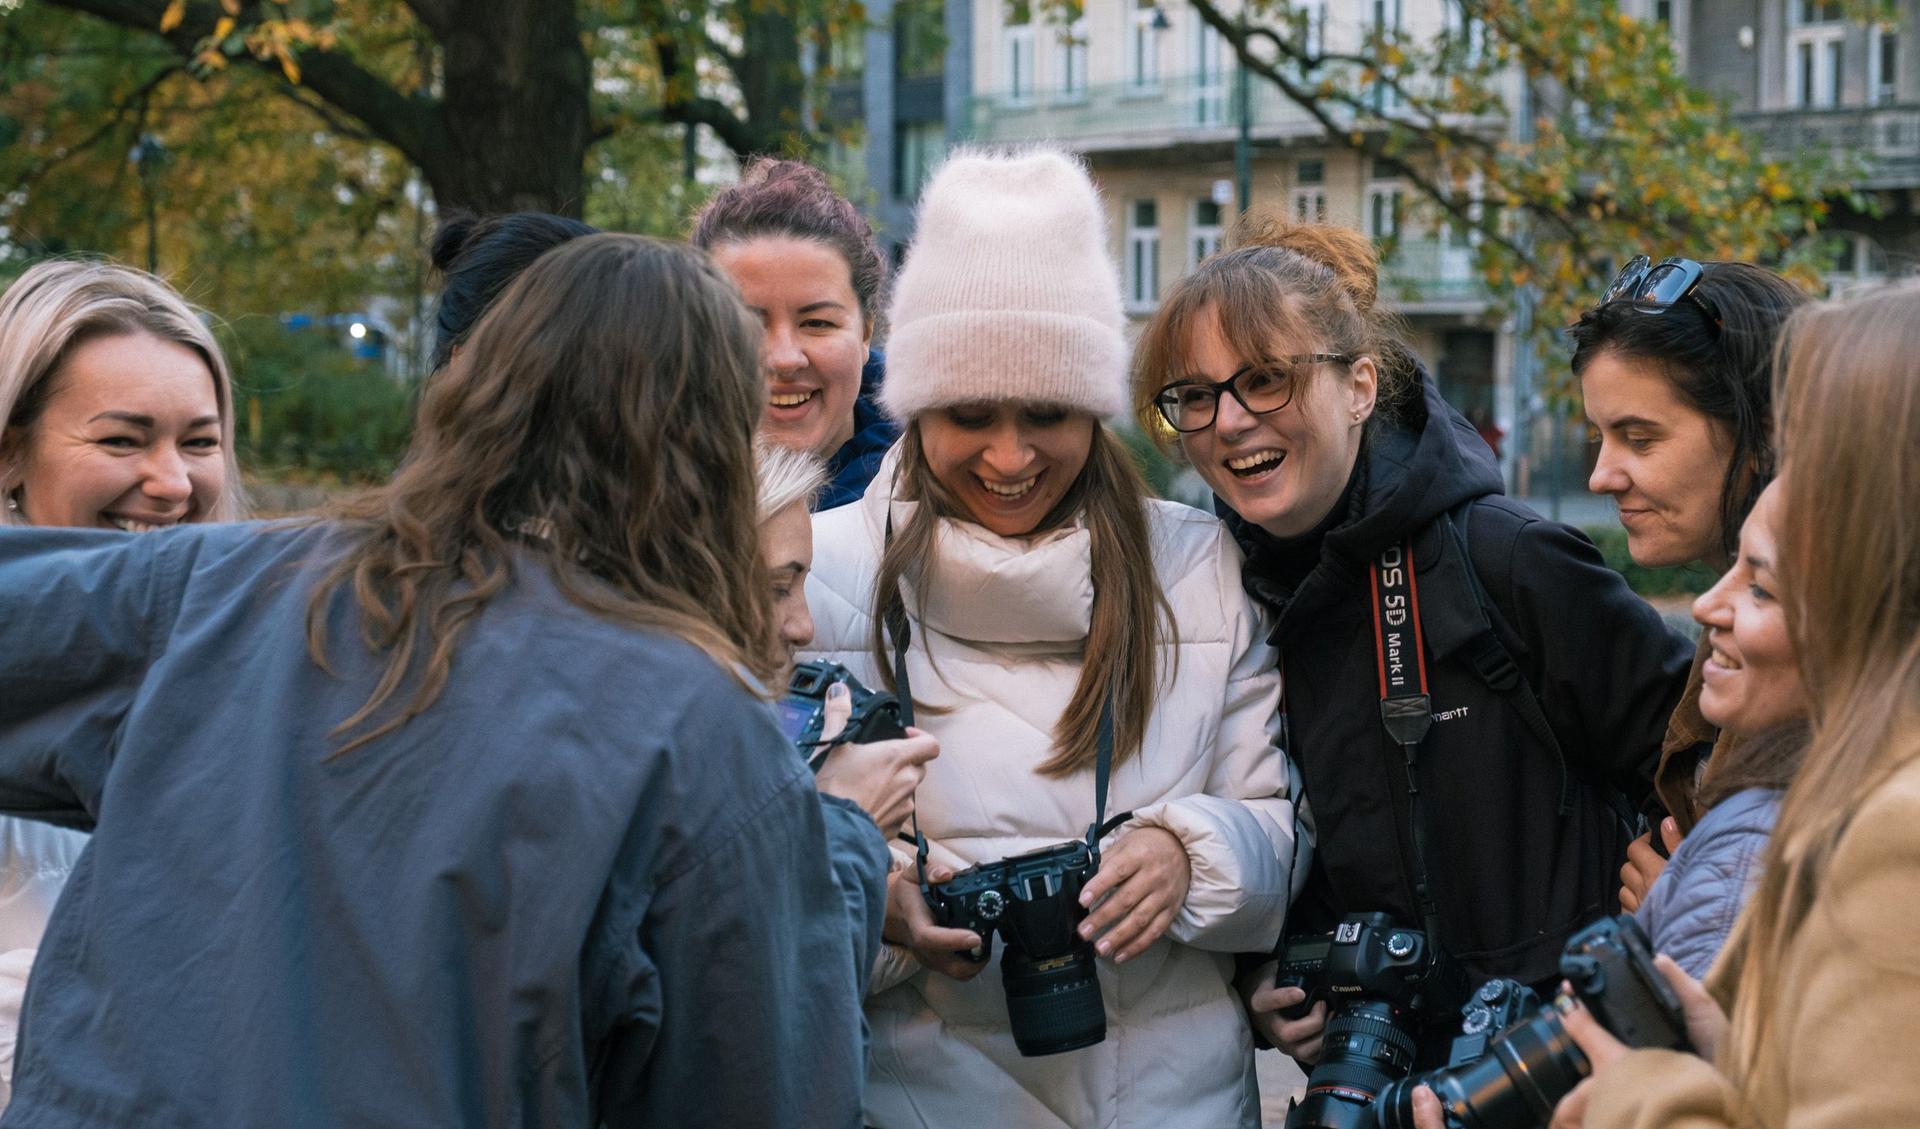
1835 1066
745 993
861 875
1239 833
1607 668
1690 911
83 613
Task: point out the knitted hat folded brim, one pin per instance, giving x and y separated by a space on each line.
939 360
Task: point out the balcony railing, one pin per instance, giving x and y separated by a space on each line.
1886 138
1431 275
1128 114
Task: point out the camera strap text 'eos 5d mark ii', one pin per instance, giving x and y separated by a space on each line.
1406 709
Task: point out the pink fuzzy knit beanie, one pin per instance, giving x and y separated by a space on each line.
1007 292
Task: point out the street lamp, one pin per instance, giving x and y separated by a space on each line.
147 155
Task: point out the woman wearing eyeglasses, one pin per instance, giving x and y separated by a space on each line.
1331 453
1676 365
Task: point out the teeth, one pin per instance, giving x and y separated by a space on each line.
1248 462
1725 660
1014 491
132 526
789 399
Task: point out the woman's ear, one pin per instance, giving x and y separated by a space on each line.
1364 391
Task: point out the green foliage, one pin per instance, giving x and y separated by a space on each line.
307 409
1690 580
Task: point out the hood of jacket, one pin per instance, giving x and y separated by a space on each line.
858 459
1411 471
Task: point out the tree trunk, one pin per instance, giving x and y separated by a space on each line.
513 113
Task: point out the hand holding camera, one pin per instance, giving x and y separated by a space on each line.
880 776
1143 879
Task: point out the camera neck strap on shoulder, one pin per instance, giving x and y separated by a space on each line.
900 633
1406 709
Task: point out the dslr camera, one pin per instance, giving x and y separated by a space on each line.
1384 982
1513 1080
1033 902
802 713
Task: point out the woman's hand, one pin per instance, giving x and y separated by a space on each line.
1644 864
1706 1023
909 924
1427 1113
1299 1038
879 776
1142 883
1706 1026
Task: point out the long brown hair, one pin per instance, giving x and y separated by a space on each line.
1131 616
1847 410
1315 285
601 418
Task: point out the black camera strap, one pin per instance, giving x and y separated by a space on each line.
1406 709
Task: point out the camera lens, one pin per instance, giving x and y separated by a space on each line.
1368 1045
1523 1076
1053 1004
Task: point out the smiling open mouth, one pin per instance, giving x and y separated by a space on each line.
790 399
131 526
1249 466
1009 492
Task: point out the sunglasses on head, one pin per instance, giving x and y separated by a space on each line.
1655 288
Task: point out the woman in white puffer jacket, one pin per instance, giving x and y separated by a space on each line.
1041 585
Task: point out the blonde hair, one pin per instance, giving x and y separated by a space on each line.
785 476
1847 408
61 304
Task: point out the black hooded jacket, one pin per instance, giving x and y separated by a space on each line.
1512 876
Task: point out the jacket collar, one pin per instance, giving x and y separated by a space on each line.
985 588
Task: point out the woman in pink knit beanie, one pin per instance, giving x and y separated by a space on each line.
1050 616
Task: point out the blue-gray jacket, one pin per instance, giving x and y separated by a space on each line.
589 885
1692 906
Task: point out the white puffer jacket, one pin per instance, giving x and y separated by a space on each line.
1005 623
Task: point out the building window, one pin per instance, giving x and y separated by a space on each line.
1816 53
1310 172
1016 40
1309 197
1884 83
917 147
1313 25
1143 254
1385 210
1663 12
1203 231
1209 74
1385 17
847 50
1464 31
1073 59
1143 45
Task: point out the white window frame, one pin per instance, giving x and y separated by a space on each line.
1316 12
1017 63
1814 81
1203 239
1883 88
1310 204
1209 74
1071 60
1459 26
1386 17
1142 258
1386 200
1143 49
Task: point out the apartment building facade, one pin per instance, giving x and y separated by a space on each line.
1802 78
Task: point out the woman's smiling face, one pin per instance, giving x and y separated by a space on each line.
1662 461
129 439
1284 470
1008 463
1751 679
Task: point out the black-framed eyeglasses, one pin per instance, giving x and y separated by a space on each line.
1191 405
1655 288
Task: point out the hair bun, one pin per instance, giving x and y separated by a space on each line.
450 238
1344 251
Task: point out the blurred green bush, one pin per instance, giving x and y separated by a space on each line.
306 410
1688 580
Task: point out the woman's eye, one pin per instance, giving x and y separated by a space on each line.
120 442
972 421
204 443
1052 417
1759 593
819 323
